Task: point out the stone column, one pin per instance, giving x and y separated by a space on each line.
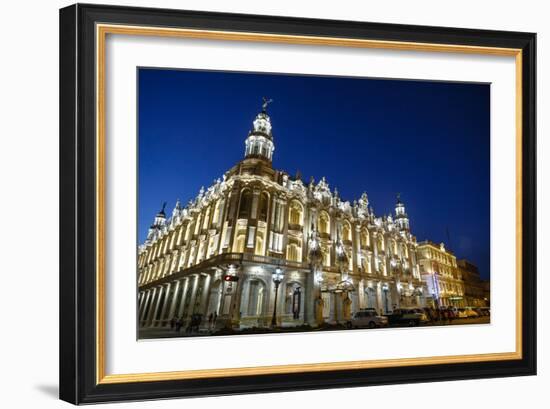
156 306
311 294
232 215
395 295
271 228
139 300
165 303
140 304
205 296
244 299
223 227
183 296
361 294
285 208
193 295
375 262
379 298
143 308
356 246
151 307
175 298
333 314
235 308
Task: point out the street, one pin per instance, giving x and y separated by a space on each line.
167 332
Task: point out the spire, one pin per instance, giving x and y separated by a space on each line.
161 212
259 143
177 208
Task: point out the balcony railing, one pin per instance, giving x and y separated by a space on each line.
295 227
245 258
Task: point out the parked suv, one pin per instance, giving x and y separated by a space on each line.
411 317
368 318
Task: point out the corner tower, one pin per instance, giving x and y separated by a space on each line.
259 143
401 218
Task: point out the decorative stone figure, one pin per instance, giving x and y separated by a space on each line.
319 306
347 308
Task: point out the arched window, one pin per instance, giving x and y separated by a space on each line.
187 231
365 240
211 246
216 215
264 202
291 253
256 296
294 251
295 214
323 223
405 250
239 246
380 243
245 204
197 224
201 252
206 219
346 231
214 299
259 249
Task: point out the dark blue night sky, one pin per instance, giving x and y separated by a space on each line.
427 140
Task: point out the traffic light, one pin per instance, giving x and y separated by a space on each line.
230 278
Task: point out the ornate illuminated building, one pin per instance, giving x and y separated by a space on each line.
219 255
441 274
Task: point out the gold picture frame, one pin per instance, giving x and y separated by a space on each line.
98 20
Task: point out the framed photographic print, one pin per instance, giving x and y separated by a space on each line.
257 203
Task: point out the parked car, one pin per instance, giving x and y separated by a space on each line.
368 318
484 311
411 317
461 313
470 313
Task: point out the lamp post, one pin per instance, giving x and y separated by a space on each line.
277 279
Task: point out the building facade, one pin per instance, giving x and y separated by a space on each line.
443 278
474 286
217 255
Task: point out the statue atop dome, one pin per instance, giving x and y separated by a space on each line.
266 103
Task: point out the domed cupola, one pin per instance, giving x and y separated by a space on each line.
401 217
160 218
158 223
259 143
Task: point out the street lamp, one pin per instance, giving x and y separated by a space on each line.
277 276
